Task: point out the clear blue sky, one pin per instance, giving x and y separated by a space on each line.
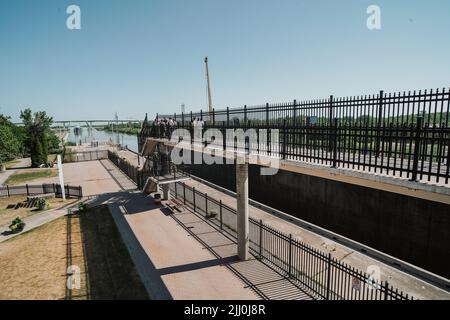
147 56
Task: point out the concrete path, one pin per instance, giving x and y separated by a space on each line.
93 176
119 177
180 256
399 279
22 163
5 175
32 222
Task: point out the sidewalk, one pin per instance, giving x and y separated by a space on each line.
414 286
32 222
180 256
399 279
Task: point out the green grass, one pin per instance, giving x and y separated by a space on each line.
111 271
23 176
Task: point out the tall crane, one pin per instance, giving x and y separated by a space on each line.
210 107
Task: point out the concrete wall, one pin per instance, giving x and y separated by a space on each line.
409 228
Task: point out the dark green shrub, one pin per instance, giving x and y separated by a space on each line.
17 225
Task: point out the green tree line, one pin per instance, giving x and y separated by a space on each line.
34 139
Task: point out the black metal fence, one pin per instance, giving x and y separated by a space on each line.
327 277
33 190
319 272
71 156
400 134
134 173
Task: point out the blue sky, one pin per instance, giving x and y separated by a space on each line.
147 56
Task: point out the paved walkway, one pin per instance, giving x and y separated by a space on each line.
22 163
181 256
34 221
96 177
399 279
414 286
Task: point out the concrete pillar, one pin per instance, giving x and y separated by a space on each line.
166 191
242 210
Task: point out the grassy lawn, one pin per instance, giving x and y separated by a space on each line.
112 274
34 265
8 213
25 176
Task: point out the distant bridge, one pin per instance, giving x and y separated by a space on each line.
89 123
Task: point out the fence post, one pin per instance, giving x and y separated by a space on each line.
28 192
7 190
213 117
331 110
228 117
224 137
176 193
330 121
290 255
220 211
386 289
417 140
193 196
184 193
294 120
68 191
245 116
284 139
335 136
267 114
260 238
206 204
328 276
80 191
380 115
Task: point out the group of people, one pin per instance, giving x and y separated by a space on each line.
165 126
166 122
197 122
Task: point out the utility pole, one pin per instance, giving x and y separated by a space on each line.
210 107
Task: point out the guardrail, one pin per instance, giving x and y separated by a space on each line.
327 277
33 190
400 134
321 273
73 156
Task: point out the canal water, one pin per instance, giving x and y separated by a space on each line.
87 135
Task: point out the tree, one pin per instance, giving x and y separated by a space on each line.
37 129
53 141
10 145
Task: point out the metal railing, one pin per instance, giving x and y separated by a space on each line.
406 135
321 273
73 156
134 173
33 190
